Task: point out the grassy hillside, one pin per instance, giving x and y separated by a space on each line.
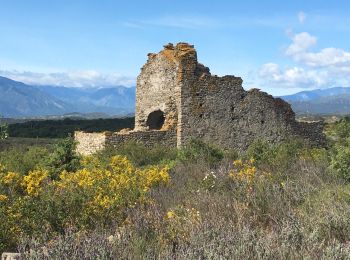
285 201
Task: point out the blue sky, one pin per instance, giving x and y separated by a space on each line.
278 46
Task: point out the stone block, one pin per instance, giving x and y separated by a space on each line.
10 256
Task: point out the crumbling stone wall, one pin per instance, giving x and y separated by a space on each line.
148 138
88 143
157 90
219 111
178 99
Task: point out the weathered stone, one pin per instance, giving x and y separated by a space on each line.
177 99
10 256
89 143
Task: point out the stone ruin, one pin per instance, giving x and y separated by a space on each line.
178 99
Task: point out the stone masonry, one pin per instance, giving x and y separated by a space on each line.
177 99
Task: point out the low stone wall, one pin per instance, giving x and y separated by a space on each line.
89 143
147 138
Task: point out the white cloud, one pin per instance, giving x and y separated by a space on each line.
327 57
88 78
327 67
300 43
301 17
292 77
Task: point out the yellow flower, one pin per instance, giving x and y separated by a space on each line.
3 198
237 162
2 168
170 214
33 181
10 178
102 201
107 190
120 164
155 176
89 161
244 171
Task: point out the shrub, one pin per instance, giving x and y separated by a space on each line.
23 160
197 150
339 135
139 154
340 161
86 198
339 131
63 158
275 157
326 214
260 150
281 204
246 172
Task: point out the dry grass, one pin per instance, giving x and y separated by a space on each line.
299 213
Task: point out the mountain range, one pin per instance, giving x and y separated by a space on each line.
19 100
330 101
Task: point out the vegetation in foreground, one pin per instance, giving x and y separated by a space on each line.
272 202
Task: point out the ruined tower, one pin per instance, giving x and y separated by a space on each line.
177 99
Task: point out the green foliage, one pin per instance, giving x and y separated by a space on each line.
33 203
209 214
65 127
23 160
62 158
339 133
260 150
139 154
276 201
4 131
326 213
25 143
197 150
340 160
275 156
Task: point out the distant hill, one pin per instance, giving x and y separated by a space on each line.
321 101
20 100
118 100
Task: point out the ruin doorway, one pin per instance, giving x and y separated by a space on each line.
155 120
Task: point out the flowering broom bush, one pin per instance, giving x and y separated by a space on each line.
89 197
246 173
287 203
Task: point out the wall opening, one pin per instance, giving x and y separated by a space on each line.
155 120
